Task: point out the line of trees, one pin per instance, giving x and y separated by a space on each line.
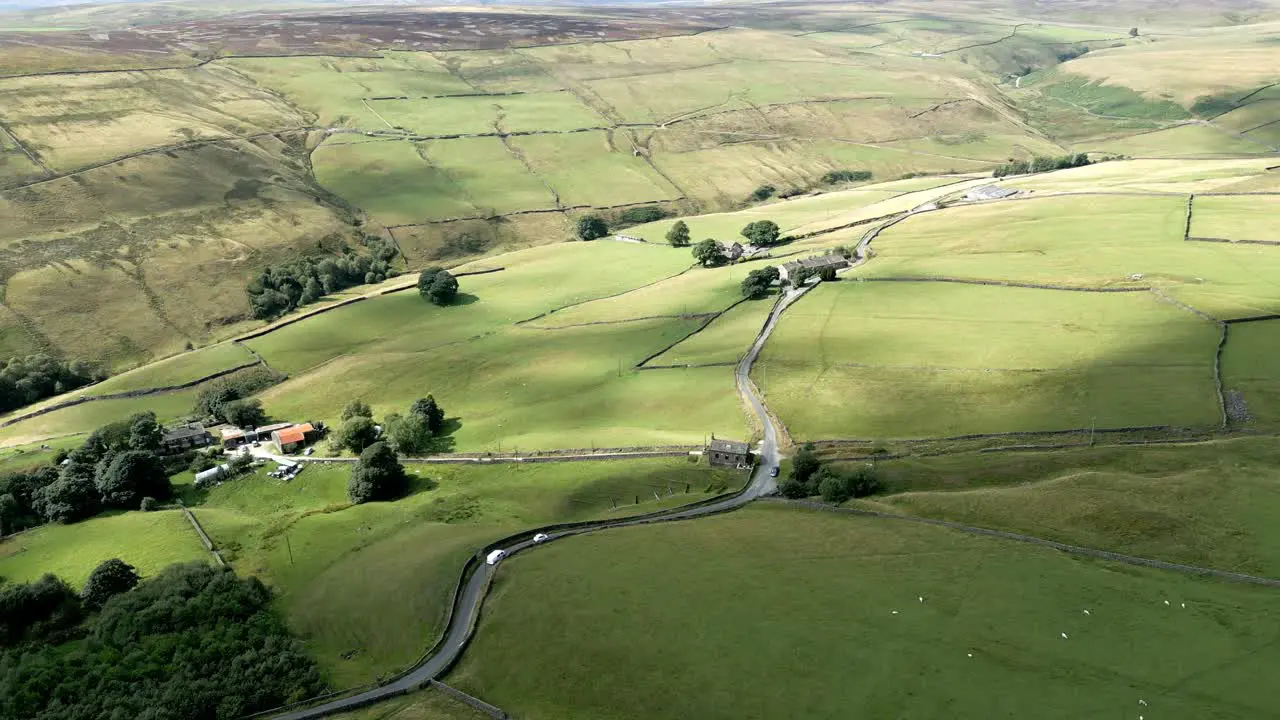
194 642
809 476
284 287
31 378
227 399
1040 164
118 466
415 432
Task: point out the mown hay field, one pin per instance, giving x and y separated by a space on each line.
971 637
1180 141
919 359
304 539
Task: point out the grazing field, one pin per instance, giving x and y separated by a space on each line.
90 416
149 541
177 370
1085 241
1183 140
306 541
1208 504
915 359
1242 217
1186 72
531 112
593 168
694 292
725 340
422 705
392 181
980 642
1249 367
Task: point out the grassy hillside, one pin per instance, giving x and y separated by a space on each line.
929 621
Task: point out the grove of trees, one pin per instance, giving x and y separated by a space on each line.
437 286
641 215
281 288
410 433
1041 164
28 379
116 467
193 643
227 399
809 476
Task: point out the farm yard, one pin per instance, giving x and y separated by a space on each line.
1081 355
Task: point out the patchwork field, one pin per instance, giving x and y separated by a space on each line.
982 641
1242 217
1249 368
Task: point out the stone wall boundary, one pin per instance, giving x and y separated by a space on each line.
470 700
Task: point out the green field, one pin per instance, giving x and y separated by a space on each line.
148 541
90 416
1207 504
553 111
177 370
1249 367
304 539
725 340
424 705
1085 241
593 168
1184 140
877 360
1242 217
984 642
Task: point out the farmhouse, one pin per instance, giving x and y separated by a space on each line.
183 438
813 264
728 453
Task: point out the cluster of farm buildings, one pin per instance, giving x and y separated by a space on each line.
284 437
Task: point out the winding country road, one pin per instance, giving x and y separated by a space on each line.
472 595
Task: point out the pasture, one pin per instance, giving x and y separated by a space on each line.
1249 368
89 416
177 370
149 541
1208 504
918 359
304 539
725 340
979 642
1235 218
1083 241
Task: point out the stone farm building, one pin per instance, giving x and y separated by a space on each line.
814 264
728 453
183 438
292 438
989 192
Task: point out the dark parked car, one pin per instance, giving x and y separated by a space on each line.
773 471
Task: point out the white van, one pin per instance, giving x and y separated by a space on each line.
493 557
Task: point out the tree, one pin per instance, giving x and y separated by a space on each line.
407 433
827 274
833 486
678 235
357 433
762 193
377 476
356 408
793 489
244 413
111 577
311 292
31 612
431 412
798 276
708 253
72 497
757 283
592 227
239 463
761 232
145 433
805 463
443 289
1133 32
130 476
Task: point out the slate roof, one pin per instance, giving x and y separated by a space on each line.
728 446
183 432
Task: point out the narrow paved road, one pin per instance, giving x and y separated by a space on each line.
467 611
